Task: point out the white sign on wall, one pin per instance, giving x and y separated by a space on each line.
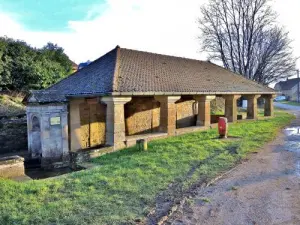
55 120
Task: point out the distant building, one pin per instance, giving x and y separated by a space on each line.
288 88
83 64
74 67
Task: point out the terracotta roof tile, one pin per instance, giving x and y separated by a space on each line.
144 72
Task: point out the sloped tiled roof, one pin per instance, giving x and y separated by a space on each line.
131 72
45 96
149 72
289 84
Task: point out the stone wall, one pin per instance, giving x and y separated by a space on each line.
87 118
186 113
13 135
142 115
11 167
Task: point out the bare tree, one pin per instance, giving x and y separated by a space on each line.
244 36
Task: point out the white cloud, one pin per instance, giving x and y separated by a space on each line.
162 26
289 17
167 27
159 26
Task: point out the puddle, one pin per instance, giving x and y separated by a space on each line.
292 144
298 168
292 131
39 173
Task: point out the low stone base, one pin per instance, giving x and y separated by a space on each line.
12 166
53 163
192 129
87 154
242 116
131 140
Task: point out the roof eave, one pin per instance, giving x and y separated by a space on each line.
190 93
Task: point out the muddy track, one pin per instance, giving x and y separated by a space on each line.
263 190
175 195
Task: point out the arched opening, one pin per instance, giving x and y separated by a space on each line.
36 147
35 124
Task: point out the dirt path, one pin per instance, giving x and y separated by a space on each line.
263 190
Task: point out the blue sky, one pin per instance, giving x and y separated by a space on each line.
48 15
87 29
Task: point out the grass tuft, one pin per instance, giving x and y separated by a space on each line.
290 103
206 200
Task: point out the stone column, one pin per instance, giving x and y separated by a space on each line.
231 107
252 106
269 107
115 120
203 117
75 125
167 113
65 133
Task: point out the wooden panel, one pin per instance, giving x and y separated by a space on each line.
85 125
97 124
92 120
101 118
155 117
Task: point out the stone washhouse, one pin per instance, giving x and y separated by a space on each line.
126 95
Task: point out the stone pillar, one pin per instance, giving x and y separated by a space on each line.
65 133
167 113
252 106
231 107
115 120
75 125
269 107
203 117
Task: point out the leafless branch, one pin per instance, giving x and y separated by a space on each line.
244 36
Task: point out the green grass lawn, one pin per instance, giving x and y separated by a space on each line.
126 183
290 103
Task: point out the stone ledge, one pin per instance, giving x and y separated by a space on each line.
12 166
87 154
131 140
186 130
11 160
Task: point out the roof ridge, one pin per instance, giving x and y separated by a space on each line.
115 83
160 54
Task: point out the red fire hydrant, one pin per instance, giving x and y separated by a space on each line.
223 127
